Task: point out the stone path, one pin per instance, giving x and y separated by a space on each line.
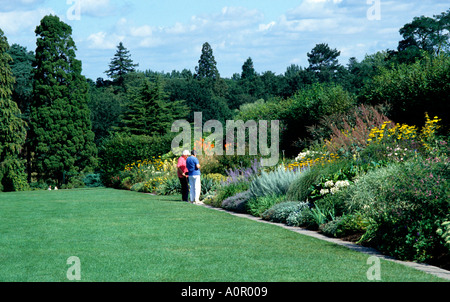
439 272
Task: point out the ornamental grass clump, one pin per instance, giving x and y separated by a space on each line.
273 183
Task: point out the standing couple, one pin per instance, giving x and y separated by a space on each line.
189 175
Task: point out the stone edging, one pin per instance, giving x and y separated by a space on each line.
437 271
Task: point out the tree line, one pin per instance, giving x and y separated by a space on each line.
55 121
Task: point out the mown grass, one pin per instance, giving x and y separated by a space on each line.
129 236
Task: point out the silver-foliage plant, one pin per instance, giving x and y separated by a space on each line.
273 183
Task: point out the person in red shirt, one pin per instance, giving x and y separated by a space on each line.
182 172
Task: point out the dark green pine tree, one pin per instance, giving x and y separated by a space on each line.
120 65
61 135
248 71
150 112
207 66
12 128
323 62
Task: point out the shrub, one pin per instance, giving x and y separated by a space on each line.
258 205
273 183
138 187
170 186
301 218
120 149
93 180
237 202
243 173
312 183
413 89
281 211
300 188
320 215
153 184
406 204
350 134
227 190
444 232
307 107
348 224
210 182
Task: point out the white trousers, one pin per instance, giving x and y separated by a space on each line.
194 188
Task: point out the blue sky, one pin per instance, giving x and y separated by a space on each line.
168 35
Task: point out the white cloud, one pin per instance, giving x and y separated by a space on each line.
97 8
16 22
102 40
236 33
141 31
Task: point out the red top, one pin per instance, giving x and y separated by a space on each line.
182 165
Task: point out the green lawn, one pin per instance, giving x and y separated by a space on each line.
128 236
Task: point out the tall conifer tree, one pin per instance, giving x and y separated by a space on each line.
120 65
207 68
62 139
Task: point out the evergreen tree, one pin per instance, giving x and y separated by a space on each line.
250 80
121 64
248 70
61 135
207 68
12 127
22 68
150 113
323 62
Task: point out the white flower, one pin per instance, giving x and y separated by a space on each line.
329 184
324 191
334 190
302 155
342 183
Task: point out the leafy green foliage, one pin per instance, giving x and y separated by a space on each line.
149 113
228 190
61 136
258 205
12 128
22 69
405 204
120 149
281 211
411 90
306 108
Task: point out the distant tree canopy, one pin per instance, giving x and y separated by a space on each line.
424 34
